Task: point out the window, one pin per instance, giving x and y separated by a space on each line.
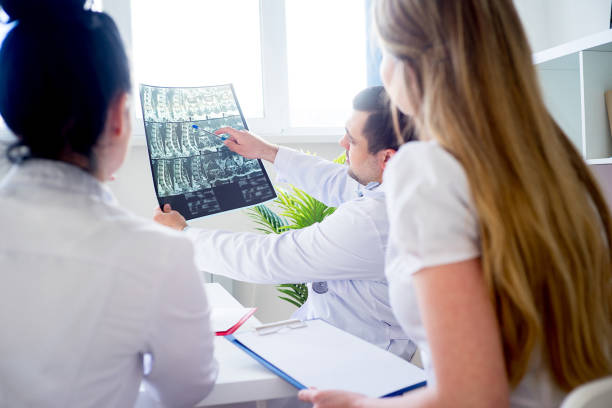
295 64
195 42
326 55
294 69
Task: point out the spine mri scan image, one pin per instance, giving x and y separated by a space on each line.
188 160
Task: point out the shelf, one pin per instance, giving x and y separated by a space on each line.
601 41
607 160
573 79
561 89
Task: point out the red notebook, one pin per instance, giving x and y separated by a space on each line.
227 320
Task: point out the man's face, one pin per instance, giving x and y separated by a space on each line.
363 166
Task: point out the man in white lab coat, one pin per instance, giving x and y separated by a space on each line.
341 258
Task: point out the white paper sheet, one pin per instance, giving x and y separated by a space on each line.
323 356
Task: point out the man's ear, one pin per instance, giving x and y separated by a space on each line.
118 115
386 155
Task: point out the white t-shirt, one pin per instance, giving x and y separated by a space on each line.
87 289
433 221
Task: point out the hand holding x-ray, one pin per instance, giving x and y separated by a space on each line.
170 218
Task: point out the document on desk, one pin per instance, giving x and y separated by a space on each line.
323 356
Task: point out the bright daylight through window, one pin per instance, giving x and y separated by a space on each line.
195 43
326 47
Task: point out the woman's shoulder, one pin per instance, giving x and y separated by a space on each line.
425 164
426 156
147 230
430 208
143 241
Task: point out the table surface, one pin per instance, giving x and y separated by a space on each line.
241 378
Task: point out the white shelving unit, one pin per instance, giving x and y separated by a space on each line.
574 78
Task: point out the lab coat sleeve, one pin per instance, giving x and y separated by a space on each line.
180 336
330 250
326 181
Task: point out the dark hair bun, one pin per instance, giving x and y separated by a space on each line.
41 9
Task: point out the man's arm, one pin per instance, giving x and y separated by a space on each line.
327 181
346 245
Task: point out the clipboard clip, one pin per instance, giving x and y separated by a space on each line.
270 328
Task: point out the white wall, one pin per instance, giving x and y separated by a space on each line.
572 19
552 22
534 14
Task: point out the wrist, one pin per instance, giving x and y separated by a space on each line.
271 153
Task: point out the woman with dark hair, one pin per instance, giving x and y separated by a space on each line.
87 288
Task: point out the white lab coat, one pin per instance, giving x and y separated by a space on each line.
346 250
86 290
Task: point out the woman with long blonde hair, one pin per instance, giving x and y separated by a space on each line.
500 244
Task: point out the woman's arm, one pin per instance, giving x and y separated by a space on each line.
464 341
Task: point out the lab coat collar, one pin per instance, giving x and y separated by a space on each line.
373 188
372 185
57 175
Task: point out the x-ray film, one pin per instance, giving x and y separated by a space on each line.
192 169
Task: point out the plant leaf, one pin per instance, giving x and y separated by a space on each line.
297 296
290 301
268 220
297 210
341 159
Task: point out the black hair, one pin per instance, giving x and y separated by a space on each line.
378 129
61 66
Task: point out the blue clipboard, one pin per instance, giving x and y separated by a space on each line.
299 385
266 363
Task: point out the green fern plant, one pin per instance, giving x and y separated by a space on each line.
267 220
297 210
297 293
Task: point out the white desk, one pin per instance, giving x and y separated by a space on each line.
241 378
